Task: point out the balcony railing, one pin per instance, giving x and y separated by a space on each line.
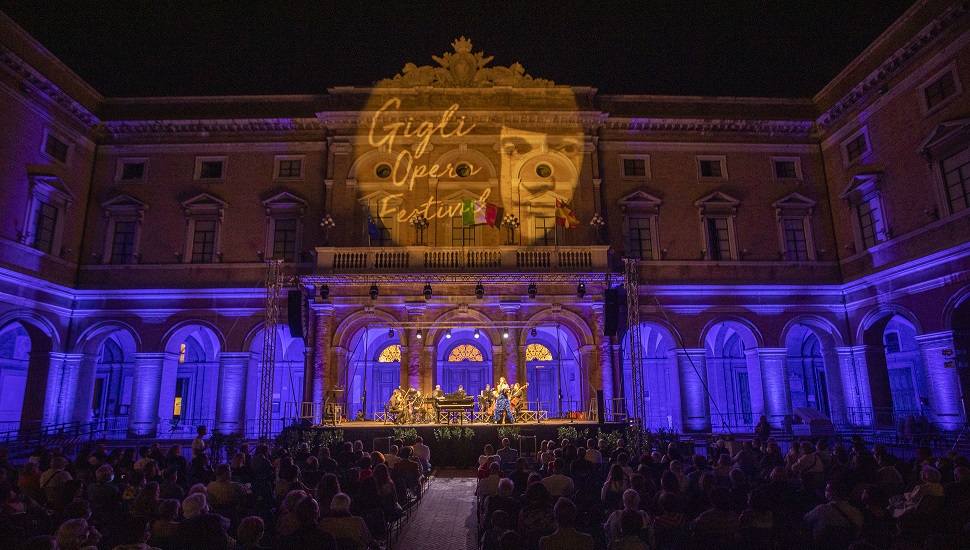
446 258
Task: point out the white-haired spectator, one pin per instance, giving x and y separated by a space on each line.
344 526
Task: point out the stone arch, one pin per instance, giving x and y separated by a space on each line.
368 383
373 157
40 329
660 370
469 316
578 326
176 335
105 385
348 328
815 381
749 333
454 156
881 315
558 158
734 377
37 375
959 300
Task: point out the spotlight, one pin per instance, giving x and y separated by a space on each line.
581 289
390 333
533 290
534 332
448 333
325 292
427 291
505 334
373 291
420 334
477 333
479 291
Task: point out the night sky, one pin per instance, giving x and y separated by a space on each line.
783 48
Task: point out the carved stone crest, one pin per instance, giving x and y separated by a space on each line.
463 69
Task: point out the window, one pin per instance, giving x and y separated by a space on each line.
712 167
45 222
537 352
204 242
131 170
284 239
786 168
865 204
465 352
123 242
892 342
870 223
856 146
940 89
956 178
210 168
794 213
718 239
639 243
545 231
390 354
56 148
289 167
717 212
636 167
461 234
796 246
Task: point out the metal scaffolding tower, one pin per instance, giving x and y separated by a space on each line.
632 286
274 282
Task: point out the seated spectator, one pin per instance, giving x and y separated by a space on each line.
503 501
500 524
386 492
327 464
507 454
328 488
520 477
309 535
719 525
566 535
250 532
631 502
630 529
929 488
536 518
558 484
488 486
223 494
134 534
345 527
170 486
287 522
166 526
836 522
55 477
612 492
489 453
146 502
878 525
239 468
28 482
593 453
408 471
422 453
76 534
391 457
201 530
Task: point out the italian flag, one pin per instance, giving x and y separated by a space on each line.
473 213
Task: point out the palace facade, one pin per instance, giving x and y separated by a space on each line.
796 257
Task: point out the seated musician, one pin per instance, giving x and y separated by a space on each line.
438 394
394 405
517 396
460 393
486 398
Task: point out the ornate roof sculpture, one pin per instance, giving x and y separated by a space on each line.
463 69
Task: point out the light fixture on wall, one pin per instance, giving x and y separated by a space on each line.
373 291
505 334
533 290
477 333
534 332
479 291
448 333
427 291
390 333
324 291
420 334
581 289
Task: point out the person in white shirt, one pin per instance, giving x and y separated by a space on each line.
422 453
592 453
557 484
56 475
198 444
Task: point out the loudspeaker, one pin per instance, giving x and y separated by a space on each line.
611 312
600 407
294 313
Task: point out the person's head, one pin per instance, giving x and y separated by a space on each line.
364 463
565 513
737 477
930 474
505 487
194 505
631 499
406 453
616 472
961 474
778 474
510 540
874 496
676 467
521 464
669 482
505 442
72 533
534 477
58 463
250 531
807 448
536 493
168 509
558 465
135 530
836 491
494 469
104 474
377 457
359 445
340 504
223 472
700 462
198 488
489 450
418 440
201 430
501 519
381 474
307 511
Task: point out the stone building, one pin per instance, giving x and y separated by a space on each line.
796 256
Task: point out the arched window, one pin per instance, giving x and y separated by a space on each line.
465 352
391 354
537 352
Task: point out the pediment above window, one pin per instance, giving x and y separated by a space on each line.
284 203
718 203
545 198
794 204
204 204
945 136
123 205
382 197
52 187
640 199
460 195
862 184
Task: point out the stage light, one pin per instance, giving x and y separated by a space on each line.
420 334
477 333
581 289
533 290
427 291
505 334
448 333
373 291
479 291
390 333
325 292
534 332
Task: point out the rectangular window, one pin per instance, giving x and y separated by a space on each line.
204 242
870 223
380 232
123 243
640 245
461 234
211 169
939 90
892 342
289 168
284 239
956 176
634 167
545 231
796 247
181 393
856 147
45 222
718 240
710 169
132 171
56 148
785 169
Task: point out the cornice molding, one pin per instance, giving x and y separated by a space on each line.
709 126
35 82
895 62
203 127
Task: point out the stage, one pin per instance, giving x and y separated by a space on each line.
456 444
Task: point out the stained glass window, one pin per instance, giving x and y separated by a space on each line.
391 354
537 352
465 352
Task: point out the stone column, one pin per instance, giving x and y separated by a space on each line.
586 359
941 383
855 386
85 372
431 375
55 385
38 374
775 384
318 376
605 363
695 404
231 399
498 364
147 385
412 375
511 357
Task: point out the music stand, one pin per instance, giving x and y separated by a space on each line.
331 410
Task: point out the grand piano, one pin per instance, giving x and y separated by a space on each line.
456 406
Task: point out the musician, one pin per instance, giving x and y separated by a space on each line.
517 398
438 394
395 406
461 392
503 408
502 385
